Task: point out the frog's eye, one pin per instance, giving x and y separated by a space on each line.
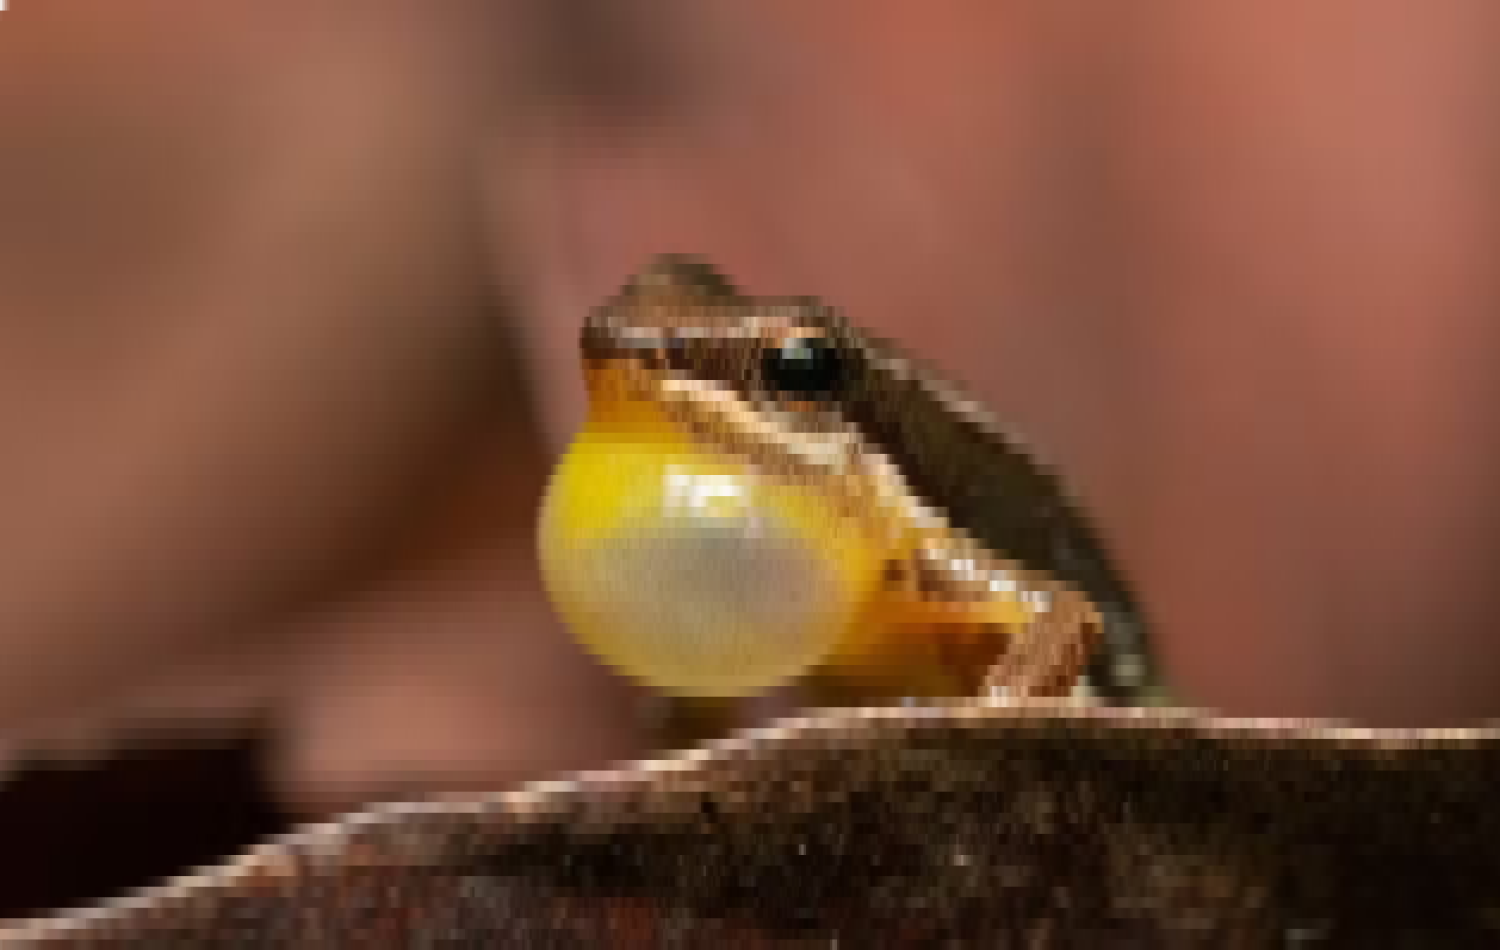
804 368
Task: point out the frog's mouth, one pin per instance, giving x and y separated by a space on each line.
816 453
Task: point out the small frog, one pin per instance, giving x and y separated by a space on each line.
764 494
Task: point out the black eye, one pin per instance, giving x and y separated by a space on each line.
808 367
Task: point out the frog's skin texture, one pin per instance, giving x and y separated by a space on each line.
764 494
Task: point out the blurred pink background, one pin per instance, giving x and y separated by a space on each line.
288 296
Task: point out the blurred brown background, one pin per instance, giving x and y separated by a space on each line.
288 294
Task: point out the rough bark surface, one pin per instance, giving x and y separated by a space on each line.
985 826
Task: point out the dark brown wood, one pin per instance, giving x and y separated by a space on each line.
951 827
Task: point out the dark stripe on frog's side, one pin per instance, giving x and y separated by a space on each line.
956 461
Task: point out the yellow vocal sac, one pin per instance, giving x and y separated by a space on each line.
685 570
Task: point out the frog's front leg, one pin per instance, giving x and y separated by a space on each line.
951 621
